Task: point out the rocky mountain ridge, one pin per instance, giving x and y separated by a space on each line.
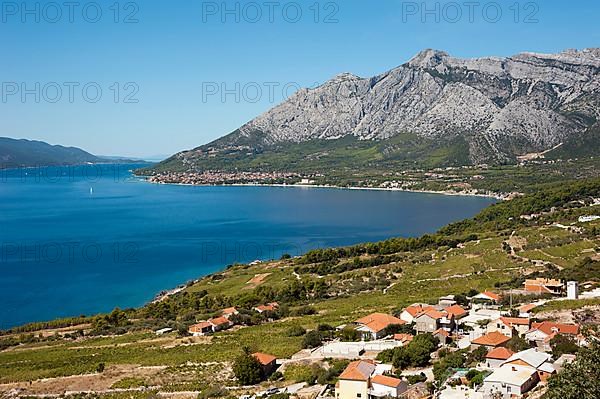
499 108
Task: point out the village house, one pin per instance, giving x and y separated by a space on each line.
267 362
447 301
509 382
431 320
443 336
539 361
362 380
405 339
526 310
544 286
542 333
220 323
490 341
496 357
486 298
270 307
374 325
456 311
409 314
509 326
200 329
227 313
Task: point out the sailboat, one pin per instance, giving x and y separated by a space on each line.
91 191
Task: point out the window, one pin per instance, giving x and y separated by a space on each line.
358 395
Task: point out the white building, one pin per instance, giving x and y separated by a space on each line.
510 381
572 290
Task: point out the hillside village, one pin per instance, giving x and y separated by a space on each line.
498 351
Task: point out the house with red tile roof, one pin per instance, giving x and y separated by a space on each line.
525 310
405 339
510 326
544 286
490 341
268 362
430 320
360 380
409 313
542 333
269 307
486 298
374 325
220 323
200 329
457 311
229 312
442 335
497 356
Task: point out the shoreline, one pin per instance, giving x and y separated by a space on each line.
446 192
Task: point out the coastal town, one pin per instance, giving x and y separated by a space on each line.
487 350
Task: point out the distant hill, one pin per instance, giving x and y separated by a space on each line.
16 153
435 110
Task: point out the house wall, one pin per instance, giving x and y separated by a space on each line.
497 325
425 324
352 390
382 390
407 317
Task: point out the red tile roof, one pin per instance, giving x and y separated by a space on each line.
415 309
436 314
379 321
499 353
441 331
456 310
264 358
200 327
492 295
403 337
492 339
359 370
549 328
387 381
219 321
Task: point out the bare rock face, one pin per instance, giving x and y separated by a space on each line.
504 107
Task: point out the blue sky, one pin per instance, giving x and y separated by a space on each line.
172 59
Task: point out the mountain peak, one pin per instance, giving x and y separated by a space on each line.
428 58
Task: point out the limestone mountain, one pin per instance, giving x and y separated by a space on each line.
435 110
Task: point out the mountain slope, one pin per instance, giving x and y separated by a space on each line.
494 109
25 153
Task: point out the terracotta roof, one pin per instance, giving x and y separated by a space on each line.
359 370
492 295
527 307
456 310
435 314
265 308
229 311
264 358
387 381
492 339
219 321
441 331
415 309
499 353
403 337
515 321
549 328
379 321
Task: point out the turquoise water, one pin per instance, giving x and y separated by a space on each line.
83 240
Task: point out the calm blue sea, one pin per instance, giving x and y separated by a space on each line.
85 239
